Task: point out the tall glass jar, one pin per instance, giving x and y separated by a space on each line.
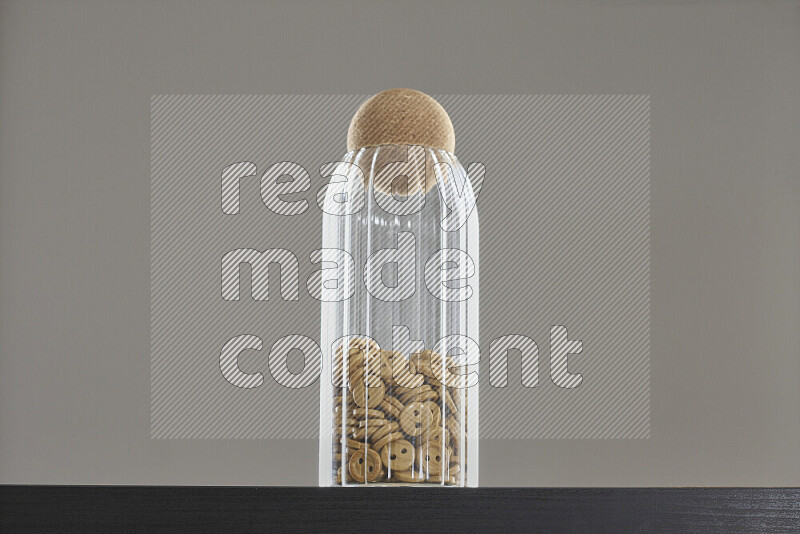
399 392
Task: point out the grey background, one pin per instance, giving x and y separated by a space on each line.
74 215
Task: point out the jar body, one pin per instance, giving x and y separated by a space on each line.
398 391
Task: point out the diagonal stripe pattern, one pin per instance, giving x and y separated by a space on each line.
565 240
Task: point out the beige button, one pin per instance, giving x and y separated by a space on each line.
437 435
453 425
455 432
354 444
390 409
365 465
441 368
364 432
398 455
395 402
404 373
382 431
406 396
361 375
368 397
424 396
372 422
415 418
426 367
451 405
357 345
386 358
364 413
394 436
410 476
431 458
436 410
422 361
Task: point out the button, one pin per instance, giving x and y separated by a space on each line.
398 456
364 432
368 397
386 358
390 409
455 432
404 373
354 444
394 401
406 397
425 395
431 458
365 465
411 476
436 410
439 365
437 435
364 344
451 405
360 375
454 426
372 422
384 430
394 436
422 362
415 418
365 413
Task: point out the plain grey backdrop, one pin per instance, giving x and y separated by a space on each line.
76 78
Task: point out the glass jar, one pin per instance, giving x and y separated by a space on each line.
399 392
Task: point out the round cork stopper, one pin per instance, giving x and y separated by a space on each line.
401 117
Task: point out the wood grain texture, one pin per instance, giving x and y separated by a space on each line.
215 509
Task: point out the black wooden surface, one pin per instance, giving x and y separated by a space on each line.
227 509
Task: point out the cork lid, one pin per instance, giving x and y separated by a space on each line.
401 117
